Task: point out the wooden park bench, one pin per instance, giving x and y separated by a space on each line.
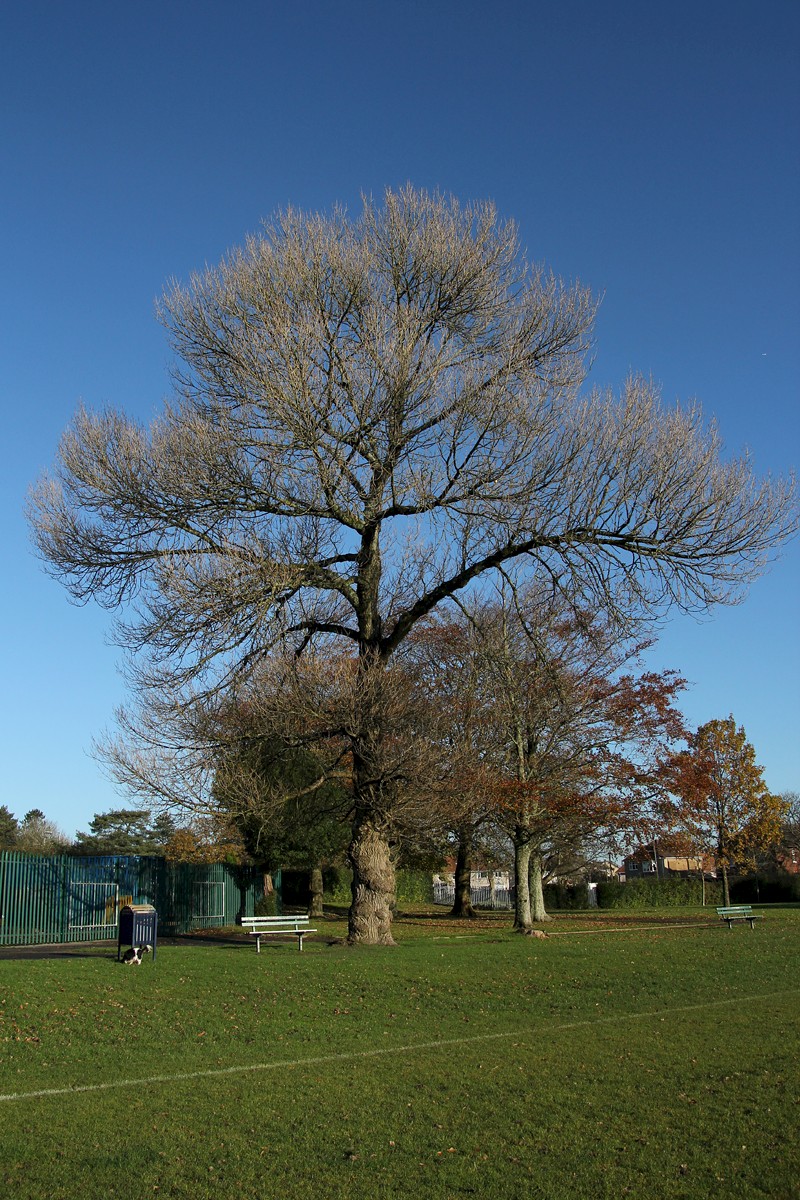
259 927
738 912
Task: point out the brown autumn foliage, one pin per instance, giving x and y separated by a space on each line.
542 729
208 840
717 794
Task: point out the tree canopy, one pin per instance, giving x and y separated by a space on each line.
37 834
9 827
719 797
277 795
546 708
125 831
371 416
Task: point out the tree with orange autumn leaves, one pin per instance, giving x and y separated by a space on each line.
549 737
717 794
584 743
208 839
442 657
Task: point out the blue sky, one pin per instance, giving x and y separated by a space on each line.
649 150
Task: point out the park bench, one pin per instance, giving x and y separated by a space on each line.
737 912
259 927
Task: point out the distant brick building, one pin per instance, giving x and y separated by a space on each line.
660 859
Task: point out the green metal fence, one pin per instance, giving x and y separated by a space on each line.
66 899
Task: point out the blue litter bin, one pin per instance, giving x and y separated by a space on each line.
138 927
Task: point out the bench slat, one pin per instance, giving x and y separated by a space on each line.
275 920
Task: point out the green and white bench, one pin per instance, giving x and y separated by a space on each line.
738 912
259 927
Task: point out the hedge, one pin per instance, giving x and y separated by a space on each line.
780 888
411 887
560 896
656 893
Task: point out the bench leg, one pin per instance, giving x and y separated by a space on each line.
258 944
300 937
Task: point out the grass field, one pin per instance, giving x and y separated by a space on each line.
645 1055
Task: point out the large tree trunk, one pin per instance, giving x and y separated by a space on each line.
522 903
370 918
726 891
315 887
462 901
373 887
536 888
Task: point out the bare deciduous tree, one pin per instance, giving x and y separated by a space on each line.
370 415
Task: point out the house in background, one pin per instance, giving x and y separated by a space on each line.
788 859
660 859
478 877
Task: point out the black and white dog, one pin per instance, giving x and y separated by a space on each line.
135 955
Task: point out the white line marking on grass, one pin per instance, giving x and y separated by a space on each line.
352 1055
633 928
551 933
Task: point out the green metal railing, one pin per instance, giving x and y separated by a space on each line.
60 898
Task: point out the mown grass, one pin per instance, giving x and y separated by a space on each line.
639 1055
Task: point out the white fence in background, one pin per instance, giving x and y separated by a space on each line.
444 893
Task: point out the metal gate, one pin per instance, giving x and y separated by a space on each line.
208 902
93 909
